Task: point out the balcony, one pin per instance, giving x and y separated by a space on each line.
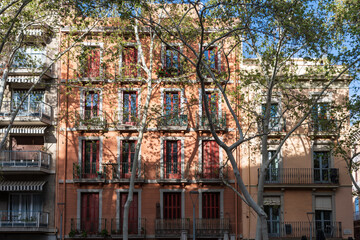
121 173
289 230
169 174
33 112
25 161
136 228
92 228
211 228
214 176
128 123
219 122
172 122
88 175
302 177
323 127
11 221
32 63
171 227
91 121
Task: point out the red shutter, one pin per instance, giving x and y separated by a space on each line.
211 205
90 212
172 205
216 58
165 167
178 159
133 213
95 62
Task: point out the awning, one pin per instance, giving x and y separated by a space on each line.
25 130
272 201
10 186
21 79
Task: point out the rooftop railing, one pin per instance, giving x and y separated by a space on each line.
9 158
17 219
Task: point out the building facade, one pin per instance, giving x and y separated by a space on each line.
27 189
181 167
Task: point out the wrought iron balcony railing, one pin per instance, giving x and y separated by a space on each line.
276 124
17 219
302 176
86 226
169 171
89 172
323 126
213 174
33 110
218 121
91 119
212 227
122 172
173 120
20 159
171 227
136 227
299 229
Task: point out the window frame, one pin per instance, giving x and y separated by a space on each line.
119 149
181 99
163 157
83 92
121 61
121 92
201 191
118 204
217 56
164 49
80 151
182 191
78 209
202 112
99 45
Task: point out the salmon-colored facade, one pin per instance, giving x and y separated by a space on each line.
180 164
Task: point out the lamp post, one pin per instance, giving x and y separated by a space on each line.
194 200
310 216
61 210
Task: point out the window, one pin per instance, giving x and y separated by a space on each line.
172 60
210 164
212 100
319 115
127 157
272 210
274 120
91 105
90 61
211 57
171 108
210 205
172 163
130 100
129 61
322 166
32 105
172 205
90 212
30 56
323 215
26 143
273 173
133 213
25 207
356 204
90 158
213 106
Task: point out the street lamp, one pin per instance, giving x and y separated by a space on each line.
61 207
310 216
194 200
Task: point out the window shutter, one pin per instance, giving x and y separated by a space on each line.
179 158
164 166
216 58
323 203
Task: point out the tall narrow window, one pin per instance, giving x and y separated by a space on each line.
172 60
25 208
90 62
210 56
320 120
90 212
172 108
90 158
211 205
210 164
130 59
321 166
273 169
172 205
172 161
274 119
133 213
91 105
130 108
212 101
273 219
127 158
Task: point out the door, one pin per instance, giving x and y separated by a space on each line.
321 166
323 222
210 164
211 205
90 158
90 212
273 219
133 220
127 158
172 205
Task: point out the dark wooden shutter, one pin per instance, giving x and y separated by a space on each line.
211 205
90 212
172 205
133 212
